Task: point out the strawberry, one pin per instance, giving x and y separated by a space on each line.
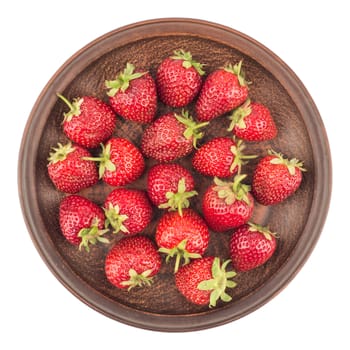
120 162
221 157
227 205
223 90
89 121
67 169
251 245
204 281
81 221
179 79
133 261
127 210
171 137
253 122
133 95
275 178
185 236
170 186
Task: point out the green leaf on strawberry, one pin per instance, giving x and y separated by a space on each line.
92 235
180 199
188 62
179 252
218 284
123 79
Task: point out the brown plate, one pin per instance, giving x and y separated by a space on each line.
299 220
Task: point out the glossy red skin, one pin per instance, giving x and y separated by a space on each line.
177 86
163 178
138 253
133 203
163 140
272 183
128 160
94 125
138 102
220 93
250 249
173 229
220 216
260 125
189 276
73 174
77 212
214 158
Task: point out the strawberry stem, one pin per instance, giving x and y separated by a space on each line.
178 200
138 279
238 115
192 128
115 219
74 107
104 159
264 230
238 71
291 164
188 62
179 252
219 282
239 158
91 235
232 191
123 79
60 152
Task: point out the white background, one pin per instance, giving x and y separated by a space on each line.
36 311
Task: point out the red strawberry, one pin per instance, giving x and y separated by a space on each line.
179 79
185 236
81 221
133 95
67 169
89 121
276 178
223 90
169 186
227 205
132 261
251 245
204 281
171 136
128 210
221 157
253 122
121 162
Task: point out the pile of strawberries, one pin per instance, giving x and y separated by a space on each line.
182 234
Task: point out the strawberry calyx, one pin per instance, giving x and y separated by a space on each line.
179 252
115 219
232 191
238 71
74 107
104 159
238 115
192 128
239 158
291 164
138 279
178 200
91 235
218 284
263 230
188 62
123 79
60 152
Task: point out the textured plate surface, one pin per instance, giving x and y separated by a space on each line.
299 220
